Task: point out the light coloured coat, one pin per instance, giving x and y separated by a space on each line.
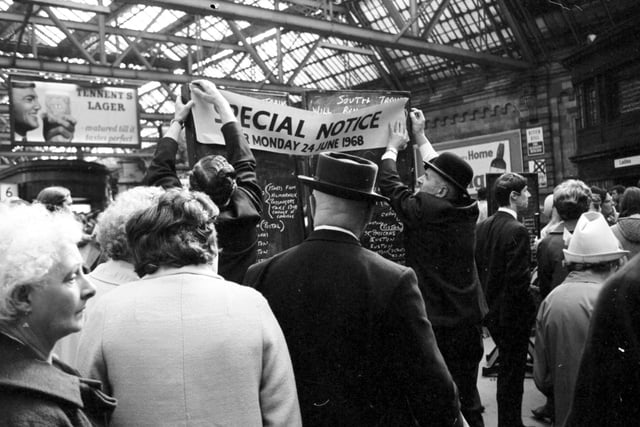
184 347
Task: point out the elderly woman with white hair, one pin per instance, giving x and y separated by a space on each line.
43 294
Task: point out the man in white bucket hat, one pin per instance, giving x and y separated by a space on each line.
563 318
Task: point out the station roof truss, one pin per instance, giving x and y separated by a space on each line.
286 45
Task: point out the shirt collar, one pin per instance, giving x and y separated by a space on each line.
509 211
335 228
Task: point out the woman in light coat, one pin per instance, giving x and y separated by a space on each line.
183 346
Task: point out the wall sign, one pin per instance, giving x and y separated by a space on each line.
535 141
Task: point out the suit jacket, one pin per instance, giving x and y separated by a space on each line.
182 346
439 242
236 224
503 257
362 347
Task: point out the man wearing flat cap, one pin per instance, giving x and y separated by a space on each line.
362 347
439 228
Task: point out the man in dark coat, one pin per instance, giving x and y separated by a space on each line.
231 184
440 221
608 384
503 258
361 344
571 198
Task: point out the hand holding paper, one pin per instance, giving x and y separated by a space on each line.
206 91
398 136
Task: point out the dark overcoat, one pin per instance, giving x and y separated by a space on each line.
362 348
503 258
236 224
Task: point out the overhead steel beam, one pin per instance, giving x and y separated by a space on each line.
62 27
10 65
394 13
252 51
518 33
335 8
67 4
324 28
434 20
350 49
304 61
92 28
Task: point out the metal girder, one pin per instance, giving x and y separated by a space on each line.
158 37
304 61
16 64
350 49
394 13
527 53
415 14
324 28
132 44
335 8
62 27
67 4
434 20
254 54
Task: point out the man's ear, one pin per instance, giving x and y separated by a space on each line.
21 298
443 191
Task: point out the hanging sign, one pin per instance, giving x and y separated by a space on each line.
290 130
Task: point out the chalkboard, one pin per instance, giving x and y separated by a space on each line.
531 217
282 224
384 234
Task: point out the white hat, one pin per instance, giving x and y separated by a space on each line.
593 241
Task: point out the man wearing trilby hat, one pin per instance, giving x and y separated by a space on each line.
362 347
440 222
563 318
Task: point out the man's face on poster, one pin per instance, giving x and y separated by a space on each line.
25 109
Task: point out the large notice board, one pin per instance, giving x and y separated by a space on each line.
384 234
282 223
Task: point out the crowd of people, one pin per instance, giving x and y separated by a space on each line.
178 324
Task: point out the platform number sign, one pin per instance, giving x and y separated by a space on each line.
7 191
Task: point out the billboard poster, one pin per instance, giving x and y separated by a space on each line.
57 113
494 153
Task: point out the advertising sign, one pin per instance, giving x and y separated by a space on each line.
495 153
54 113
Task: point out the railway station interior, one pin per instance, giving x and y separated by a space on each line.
548 89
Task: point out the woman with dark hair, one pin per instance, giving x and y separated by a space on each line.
182 345
627 229
43 295
55 198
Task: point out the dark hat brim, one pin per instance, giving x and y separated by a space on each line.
344 192
445 175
